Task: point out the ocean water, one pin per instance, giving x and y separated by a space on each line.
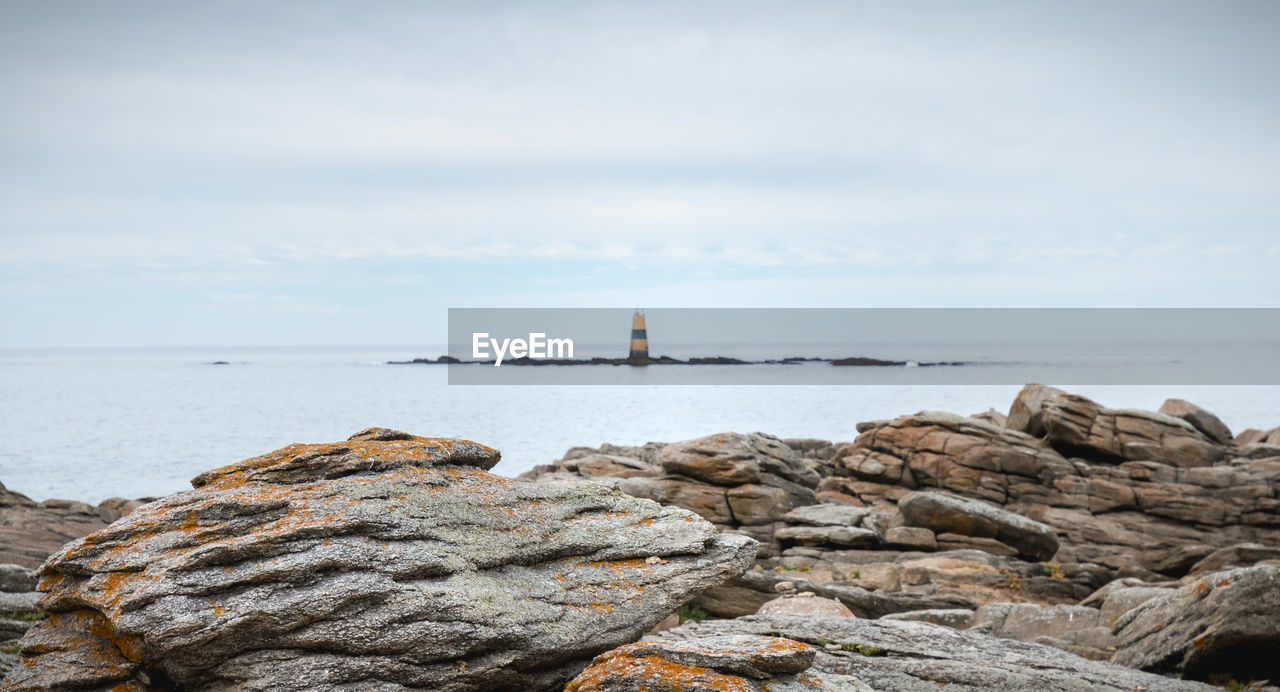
91 424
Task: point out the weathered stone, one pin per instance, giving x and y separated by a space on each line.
950 513
1199 418
73 650
745 663
1028 622
17 579
707 501
955 541
1077 426
1241 555
31 531
733 459
826 514
610 465
805 606
865 603
955 618
1122 599
386 560
1221 623
757 504
911 538
917 656
23 603
828 535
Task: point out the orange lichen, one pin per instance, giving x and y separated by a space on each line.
600 607
427 450
657 674
219 611
618 565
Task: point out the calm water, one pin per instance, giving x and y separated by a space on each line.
91 424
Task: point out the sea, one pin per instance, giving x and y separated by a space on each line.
89 424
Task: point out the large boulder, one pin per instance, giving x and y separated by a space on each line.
1199 418
734 459
970 457
1078 426
387 561
1222 623
941 513
910 656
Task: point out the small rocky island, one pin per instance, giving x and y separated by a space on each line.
854 361
1064 546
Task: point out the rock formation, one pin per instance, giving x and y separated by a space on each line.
1047 525
30 531
857 654
387 561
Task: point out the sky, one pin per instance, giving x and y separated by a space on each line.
294 173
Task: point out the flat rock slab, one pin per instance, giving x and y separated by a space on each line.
738 662
387 561
910 656
950 513
1222 623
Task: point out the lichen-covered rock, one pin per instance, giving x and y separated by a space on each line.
737 662
948 513
387 561
1222 623
916 656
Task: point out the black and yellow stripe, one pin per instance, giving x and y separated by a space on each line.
639 339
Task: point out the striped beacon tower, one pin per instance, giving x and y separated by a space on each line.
639 339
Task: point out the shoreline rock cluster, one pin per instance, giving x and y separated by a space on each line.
1066 545
1048 525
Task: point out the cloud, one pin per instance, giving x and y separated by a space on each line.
717 141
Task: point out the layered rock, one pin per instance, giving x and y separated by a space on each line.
740 662
387 561
1224 623
30 531
951 514
1052 523
744 483
902 655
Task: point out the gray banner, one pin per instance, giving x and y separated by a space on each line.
688 346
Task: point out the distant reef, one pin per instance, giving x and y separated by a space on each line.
668 360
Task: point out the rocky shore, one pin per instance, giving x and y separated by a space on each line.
1064 546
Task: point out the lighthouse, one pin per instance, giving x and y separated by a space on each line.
639 339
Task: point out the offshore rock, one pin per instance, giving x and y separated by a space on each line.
1222 623
910 656
387 561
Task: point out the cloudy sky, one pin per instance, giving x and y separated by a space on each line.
221 173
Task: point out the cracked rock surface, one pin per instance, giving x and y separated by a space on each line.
384 562
907 656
